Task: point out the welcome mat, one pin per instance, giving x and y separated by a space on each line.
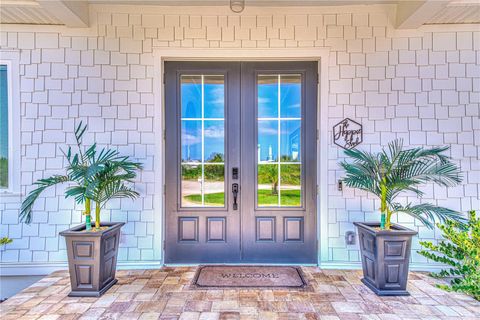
249 277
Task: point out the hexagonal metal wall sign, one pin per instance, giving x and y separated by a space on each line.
347 134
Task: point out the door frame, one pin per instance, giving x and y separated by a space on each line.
321 55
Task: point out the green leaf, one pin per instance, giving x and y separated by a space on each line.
461 251
41 185
428 213
402 171
98 176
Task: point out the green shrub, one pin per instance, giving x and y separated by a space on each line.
5 240
461 251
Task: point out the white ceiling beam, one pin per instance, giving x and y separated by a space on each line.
73 14
19 4
413 14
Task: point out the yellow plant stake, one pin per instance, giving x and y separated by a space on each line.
97 216
384 223
88 217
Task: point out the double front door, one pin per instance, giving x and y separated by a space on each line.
240 162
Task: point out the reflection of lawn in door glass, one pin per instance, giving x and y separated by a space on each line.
290 198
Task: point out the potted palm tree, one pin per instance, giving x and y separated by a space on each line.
93 178
385 246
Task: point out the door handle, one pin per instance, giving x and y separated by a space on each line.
235 195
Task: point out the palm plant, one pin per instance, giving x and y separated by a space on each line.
92 177
110 183
394 171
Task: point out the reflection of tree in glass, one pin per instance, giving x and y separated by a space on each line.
194 172
191 172
214 172
287 158
291 174
268 174
215 157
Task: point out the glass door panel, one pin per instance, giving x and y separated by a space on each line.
279 136
202 140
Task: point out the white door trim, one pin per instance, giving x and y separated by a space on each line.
321 55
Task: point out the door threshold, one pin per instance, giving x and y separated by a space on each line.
238 264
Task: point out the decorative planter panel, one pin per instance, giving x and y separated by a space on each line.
385 257
92 259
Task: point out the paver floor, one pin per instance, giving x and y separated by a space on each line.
167 294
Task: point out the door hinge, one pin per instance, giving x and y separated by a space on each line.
318 189
318 78
164 245
318 134
164 134
163 78
164 189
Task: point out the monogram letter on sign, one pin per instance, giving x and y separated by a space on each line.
347 134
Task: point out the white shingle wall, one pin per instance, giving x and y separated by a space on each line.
423 88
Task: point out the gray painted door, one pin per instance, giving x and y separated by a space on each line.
240 162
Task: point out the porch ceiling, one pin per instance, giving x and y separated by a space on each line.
409 14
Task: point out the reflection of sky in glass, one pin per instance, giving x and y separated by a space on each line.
213 130
192 140
214 140
3 112
290 140
267 96
290 107
214 96
290 96
268 140
191 89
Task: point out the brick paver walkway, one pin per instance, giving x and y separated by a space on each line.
166 294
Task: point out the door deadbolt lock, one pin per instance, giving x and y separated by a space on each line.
235 173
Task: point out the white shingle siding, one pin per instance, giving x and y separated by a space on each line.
423 88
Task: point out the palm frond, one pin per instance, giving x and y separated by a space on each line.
394 152
364 157
395 188
79 132
356 178
116 189
107 155
396 171
90 153
363 172
434 154
41 185
428 214
77 192
421 171
68 155
98 176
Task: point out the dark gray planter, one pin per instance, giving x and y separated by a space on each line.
92 259
385 257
